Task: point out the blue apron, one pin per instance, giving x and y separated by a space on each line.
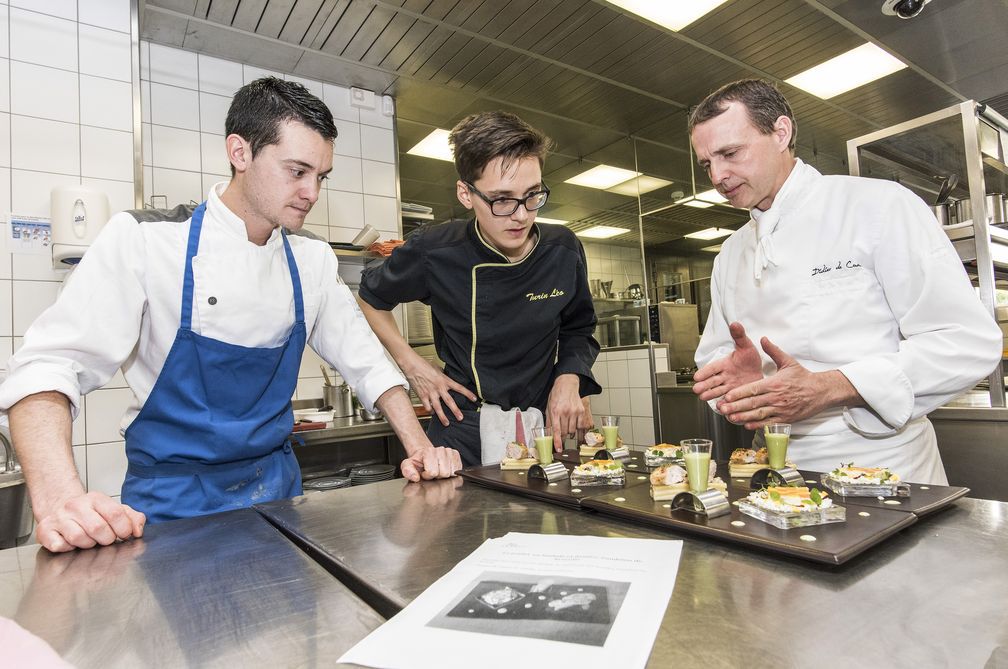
214 433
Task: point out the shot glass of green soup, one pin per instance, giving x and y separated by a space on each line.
777 436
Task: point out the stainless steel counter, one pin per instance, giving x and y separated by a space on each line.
931 596
346 429
220 591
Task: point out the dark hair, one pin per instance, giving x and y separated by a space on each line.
261 106
763 102
479 138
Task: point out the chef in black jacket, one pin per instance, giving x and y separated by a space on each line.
511 308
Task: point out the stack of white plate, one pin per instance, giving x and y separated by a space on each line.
371 474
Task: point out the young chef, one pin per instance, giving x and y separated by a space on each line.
865 316
513 316
207 312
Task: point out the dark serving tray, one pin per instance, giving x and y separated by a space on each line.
923 500
558 492
869 520
834 543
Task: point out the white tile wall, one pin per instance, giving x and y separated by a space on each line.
45 146
105 53
44 40
621 265
44 92
106 466
106 103
625 377
5 152
111 15
219 77
106 154
72 123
64 8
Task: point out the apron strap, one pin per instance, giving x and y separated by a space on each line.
188 283
295 280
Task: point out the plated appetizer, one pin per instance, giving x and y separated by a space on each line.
663 454
852 481
667 481
788 506
518 457
744 462
598 472
594 441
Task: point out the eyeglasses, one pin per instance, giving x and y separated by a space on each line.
505 206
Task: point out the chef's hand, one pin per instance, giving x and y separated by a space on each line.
84 521
431 462
792 394
564 408
741 367
587 421
432 385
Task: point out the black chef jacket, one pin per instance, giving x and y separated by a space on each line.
504 330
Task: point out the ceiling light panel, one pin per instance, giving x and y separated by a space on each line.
549 221
639 186
710 233
601 232
434 145
673 14
846 72
602 177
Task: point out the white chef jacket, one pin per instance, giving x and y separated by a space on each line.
121 308
855 274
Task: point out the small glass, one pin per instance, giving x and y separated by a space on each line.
697 454
777 436
543 444
610 430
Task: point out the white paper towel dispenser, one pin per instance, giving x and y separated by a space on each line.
77 214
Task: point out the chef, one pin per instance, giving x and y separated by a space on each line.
865 317
513 316
207 312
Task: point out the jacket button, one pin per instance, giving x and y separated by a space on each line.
212 301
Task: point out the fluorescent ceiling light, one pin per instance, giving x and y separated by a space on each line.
639 185
673 14
601 232
710 233
434 145
550 221
693 202
847 71
713 249
711 196
602 177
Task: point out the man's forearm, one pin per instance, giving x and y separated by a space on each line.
40 427
398 410
385 328
839 390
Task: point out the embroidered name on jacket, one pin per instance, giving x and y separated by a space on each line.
841 265
532 297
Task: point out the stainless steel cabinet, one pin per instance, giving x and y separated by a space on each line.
956 155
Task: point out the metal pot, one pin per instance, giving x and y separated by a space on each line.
369 415
340 398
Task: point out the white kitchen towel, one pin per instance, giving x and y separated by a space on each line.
497 428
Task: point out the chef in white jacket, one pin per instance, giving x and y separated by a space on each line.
865 317
207 313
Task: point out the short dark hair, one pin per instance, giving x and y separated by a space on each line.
261 106
479 138
763 102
